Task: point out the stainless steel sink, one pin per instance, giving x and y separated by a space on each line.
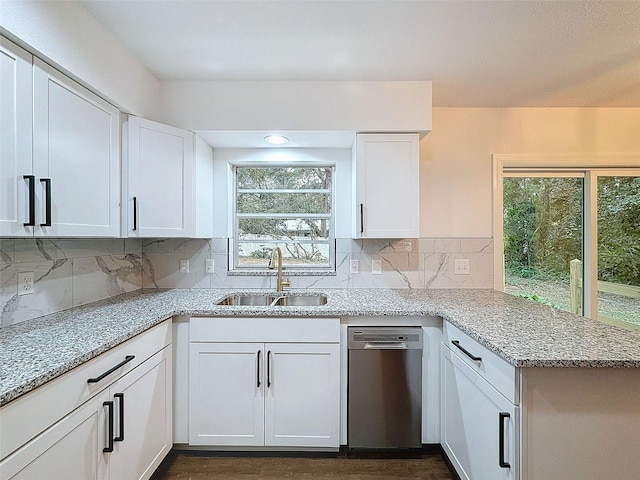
272 300
300 300
253 300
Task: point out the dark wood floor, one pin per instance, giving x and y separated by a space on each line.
191 466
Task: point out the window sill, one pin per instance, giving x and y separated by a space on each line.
285 273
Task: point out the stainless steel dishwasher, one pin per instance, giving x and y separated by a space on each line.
385 388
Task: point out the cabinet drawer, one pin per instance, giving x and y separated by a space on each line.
47 404
497 371
255 329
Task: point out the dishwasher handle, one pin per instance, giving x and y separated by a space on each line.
386 346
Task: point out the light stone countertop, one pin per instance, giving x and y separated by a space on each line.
524 333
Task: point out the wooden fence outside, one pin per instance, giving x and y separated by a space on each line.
575 287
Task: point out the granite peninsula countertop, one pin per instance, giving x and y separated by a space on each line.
524 333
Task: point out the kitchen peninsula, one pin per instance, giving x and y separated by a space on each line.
575 382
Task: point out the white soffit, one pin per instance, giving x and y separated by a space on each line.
297 138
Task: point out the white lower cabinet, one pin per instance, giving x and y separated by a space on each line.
226 402
121 432
479 409
142 419
70 449
478 423
281 394
302 399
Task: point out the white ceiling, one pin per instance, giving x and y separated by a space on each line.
477 53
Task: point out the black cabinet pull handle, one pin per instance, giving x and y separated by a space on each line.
501 461
362 218
120 437
47 202
135 213
32 200
269 368
109 447
126 360
258 371
466 352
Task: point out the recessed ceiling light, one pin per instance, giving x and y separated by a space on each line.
276 139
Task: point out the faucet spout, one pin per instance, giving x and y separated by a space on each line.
280 282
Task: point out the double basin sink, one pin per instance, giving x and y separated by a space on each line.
275 300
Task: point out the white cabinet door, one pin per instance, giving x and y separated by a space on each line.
16 114
71 449
275 394
76 158
160 180
226 385
143 419
478 423
386 183
302 400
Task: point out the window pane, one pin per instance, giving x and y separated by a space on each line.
300 178
283 229
267 194
619 249
284 203
257 254
542 223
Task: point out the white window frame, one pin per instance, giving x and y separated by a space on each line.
233 244
587 166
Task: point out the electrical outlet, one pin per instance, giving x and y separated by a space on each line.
376 267
184 266
208 265
461 266
354 266
25 283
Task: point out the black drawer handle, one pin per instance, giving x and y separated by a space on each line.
466 352
120 437
32 200
501 461
269 368
126 360
109 447
362 218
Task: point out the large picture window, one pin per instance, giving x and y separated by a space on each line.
543 238
286 206
569 237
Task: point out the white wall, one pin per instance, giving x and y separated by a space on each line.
455 158
68 37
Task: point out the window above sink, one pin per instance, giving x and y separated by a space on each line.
288 205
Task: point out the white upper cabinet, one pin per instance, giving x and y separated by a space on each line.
386 183
59 170
161 182
16 100
76 158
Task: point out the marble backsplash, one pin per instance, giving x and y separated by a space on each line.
67 273
72 272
